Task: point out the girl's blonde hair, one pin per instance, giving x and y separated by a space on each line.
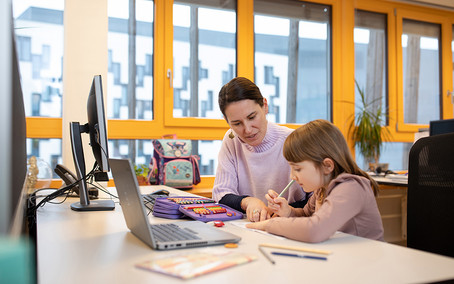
320 139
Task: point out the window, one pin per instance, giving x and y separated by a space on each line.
393 153
204 55
39 33
371 57
141 151
293 59
130 59
39 38
452 50
421 71
48 150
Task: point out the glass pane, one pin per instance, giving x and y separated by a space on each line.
48 150
130 59
39 34
393 153
370 58
421 66
204 55
142 151
293 59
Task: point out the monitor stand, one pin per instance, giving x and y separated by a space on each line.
79 161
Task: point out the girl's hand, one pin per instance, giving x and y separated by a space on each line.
278 205
255 209
258 225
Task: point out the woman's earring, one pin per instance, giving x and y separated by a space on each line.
231 135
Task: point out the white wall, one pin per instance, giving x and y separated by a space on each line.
85 55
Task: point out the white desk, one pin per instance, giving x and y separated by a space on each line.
97 247
391 181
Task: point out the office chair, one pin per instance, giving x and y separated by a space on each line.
430 204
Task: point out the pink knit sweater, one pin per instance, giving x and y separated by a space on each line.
349 207
247 170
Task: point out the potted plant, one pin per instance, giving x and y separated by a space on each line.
141 171
366 129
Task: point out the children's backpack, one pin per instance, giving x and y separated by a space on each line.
173 164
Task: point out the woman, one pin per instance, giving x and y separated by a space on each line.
250 160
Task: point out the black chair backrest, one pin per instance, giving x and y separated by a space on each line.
430 204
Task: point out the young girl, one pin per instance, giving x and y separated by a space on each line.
343 198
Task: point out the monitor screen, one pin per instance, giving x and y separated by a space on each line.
96 128
441 126
18 154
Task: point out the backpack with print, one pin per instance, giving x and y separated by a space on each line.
173 164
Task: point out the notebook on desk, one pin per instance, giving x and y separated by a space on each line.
173 235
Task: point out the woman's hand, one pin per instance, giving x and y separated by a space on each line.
278 205
255 209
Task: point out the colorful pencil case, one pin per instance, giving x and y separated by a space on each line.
210 212
198 208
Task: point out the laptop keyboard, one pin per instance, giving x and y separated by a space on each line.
171 232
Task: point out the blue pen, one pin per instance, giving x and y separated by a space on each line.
300 255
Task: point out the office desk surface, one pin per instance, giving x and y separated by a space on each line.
97 247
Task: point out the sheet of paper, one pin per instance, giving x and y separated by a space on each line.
242 224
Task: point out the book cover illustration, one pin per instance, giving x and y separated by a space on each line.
192 264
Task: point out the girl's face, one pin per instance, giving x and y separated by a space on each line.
310 177
248 120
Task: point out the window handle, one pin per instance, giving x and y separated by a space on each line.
169 75
452 95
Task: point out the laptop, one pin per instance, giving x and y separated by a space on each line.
184 234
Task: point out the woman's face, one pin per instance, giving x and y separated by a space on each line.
248 120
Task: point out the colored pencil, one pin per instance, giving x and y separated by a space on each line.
287 187
318 251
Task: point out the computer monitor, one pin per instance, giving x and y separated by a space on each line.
441 126
96 128
17 156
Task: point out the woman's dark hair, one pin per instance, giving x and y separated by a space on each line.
239 89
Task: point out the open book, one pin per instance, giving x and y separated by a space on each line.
187 265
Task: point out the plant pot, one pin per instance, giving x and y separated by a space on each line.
142 180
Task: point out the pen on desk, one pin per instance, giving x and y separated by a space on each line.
295 248
266 255
286 188
300 255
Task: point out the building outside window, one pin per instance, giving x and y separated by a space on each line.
421 71
204 55
39 37
293 59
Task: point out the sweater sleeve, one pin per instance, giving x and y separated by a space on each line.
341 205
301 203
226 181
233 201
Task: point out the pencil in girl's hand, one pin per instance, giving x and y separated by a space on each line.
286 188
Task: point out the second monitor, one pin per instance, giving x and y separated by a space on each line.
441 126
96 128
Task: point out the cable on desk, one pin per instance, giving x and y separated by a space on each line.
32 206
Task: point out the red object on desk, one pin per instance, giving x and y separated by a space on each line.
218 223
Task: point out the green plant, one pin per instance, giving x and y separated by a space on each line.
141 170
366 127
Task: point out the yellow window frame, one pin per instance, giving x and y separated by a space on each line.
429 16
